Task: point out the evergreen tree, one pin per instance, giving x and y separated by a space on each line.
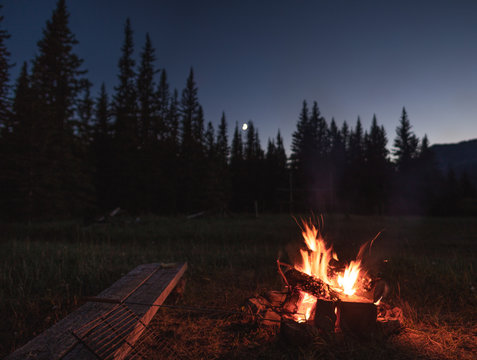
56 81
198 129
321 141
337 159
163 127
345 134
405 144
172 124
236 154
222 141
19 149
125 106
352 194
301 141
275 174
210 145
250 144
102 151
376 169
85 114
145 93
194 170
126 129
190 111
406 182
4 80
280 152
237 171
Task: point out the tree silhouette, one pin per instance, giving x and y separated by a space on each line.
146 93
4 78
103 152
377 169
20 148
126 128
405 143
56 81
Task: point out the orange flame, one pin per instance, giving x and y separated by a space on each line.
347 282
305 306
315 262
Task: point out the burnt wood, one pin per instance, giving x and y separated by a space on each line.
358 318
309 284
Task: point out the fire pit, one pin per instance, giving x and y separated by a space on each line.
325 296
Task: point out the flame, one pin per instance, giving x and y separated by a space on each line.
316 259
347 282
315 262
305 304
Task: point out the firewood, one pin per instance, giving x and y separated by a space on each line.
324 316
297 334
358 318
309 284
276 298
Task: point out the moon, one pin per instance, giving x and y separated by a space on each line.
244 126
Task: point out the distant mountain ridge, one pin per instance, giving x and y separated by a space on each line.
462 157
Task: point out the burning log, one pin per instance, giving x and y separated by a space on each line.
309 284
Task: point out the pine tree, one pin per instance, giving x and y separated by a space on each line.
189 109
194 169
172 124
352 191
275 175
4 80
237 171
222 141
250 144
126 129
85 116
19 149
319 128
210 145
102 151
301 141
56 81
236 154
376 169
198 129
406 181
345 134
146 94
125 106
163 128
337 159
280 152
405 144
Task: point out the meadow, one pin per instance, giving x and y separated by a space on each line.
46 269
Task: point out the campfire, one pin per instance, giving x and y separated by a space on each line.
323 295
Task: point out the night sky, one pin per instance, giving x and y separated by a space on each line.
258 60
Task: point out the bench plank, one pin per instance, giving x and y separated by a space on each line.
146 284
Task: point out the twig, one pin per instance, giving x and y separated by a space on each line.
279 264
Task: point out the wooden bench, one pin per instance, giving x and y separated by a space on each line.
110 324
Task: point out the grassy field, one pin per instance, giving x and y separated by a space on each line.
47 267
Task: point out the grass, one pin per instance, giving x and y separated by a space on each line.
46 268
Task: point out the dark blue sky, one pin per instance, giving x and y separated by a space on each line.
258 60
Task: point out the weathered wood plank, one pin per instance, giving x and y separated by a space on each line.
147 284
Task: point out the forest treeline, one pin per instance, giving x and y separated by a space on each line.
148 148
